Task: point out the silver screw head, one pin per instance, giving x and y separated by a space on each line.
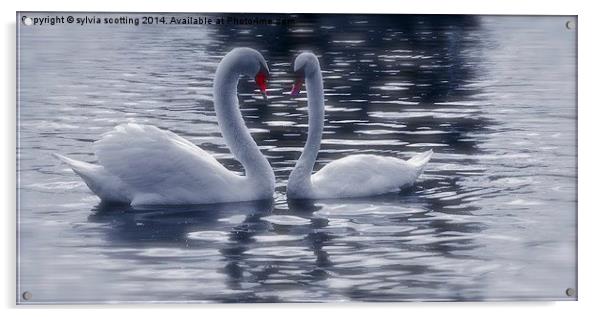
569 25
570 292
27 295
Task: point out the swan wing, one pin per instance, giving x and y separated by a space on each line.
366 175
160 167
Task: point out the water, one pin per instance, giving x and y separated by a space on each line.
492 218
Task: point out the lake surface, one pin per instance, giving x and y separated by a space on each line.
493 217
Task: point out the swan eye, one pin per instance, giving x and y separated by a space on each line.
261 81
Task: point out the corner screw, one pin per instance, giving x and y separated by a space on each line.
27 295
570 292
569 25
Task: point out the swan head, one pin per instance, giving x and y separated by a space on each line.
249 62
306 64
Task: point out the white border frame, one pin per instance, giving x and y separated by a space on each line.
588 147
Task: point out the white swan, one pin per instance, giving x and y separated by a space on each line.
352 176
144 165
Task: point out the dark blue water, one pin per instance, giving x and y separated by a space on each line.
493 217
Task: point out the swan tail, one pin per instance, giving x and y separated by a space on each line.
107 187
419 160
77 166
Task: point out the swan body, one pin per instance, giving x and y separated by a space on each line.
352 176
144 165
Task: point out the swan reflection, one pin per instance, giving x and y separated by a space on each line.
251 248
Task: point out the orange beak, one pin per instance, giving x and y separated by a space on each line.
262 82
297 86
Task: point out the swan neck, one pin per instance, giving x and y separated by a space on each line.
232 126
315 104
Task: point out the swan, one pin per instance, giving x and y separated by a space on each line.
352 176
144 165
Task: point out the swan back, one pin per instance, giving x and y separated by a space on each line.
366 175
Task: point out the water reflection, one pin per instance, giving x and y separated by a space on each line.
166 225
491 218
347 243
